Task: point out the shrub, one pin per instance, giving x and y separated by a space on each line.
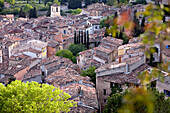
44 8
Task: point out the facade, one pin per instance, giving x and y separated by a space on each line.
165 54
118 74
55 10
0 55
164 86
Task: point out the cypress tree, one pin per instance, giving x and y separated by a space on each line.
143 24
137 26
45 2
75 38
49 11
115 15
88 43
35 13
85 38
120 35
79 37
95 1
82 37
31 13
74 4
21 13
87 2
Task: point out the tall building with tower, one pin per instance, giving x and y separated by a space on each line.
55 10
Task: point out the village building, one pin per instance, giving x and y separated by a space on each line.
80 88
55 10
106 52
118 74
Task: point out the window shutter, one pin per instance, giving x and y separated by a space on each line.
166 46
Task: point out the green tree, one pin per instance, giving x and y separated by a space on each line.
33 97
102 23
49 10
27 8
33 13
11 1
88 42
76 48
88 2
85 36
66 54
75 38
114 102
21 13
140 2
49 3
161 104
81 37
90 73
118 100
63 1
112 2
137 28
1 3
56 2
74 4
95 1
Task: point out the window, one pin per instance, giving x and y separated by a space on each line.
104 100
167 93
43 73
167 46
56 9
96 27
64 31
104 91
112 85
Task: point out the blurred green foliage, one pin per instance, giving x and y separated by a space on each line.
74 12
33 97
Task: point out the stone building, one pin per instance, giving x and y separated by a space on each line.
55 10
118 74
164 86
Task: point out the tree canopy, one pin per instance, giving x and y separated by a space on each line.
142 101
33 13
56 2
74 4
74 12
76 48
90 73
66 54
11 1
1 3
27 8
33 97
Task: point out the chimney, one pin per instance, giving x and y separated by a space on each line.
120 60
